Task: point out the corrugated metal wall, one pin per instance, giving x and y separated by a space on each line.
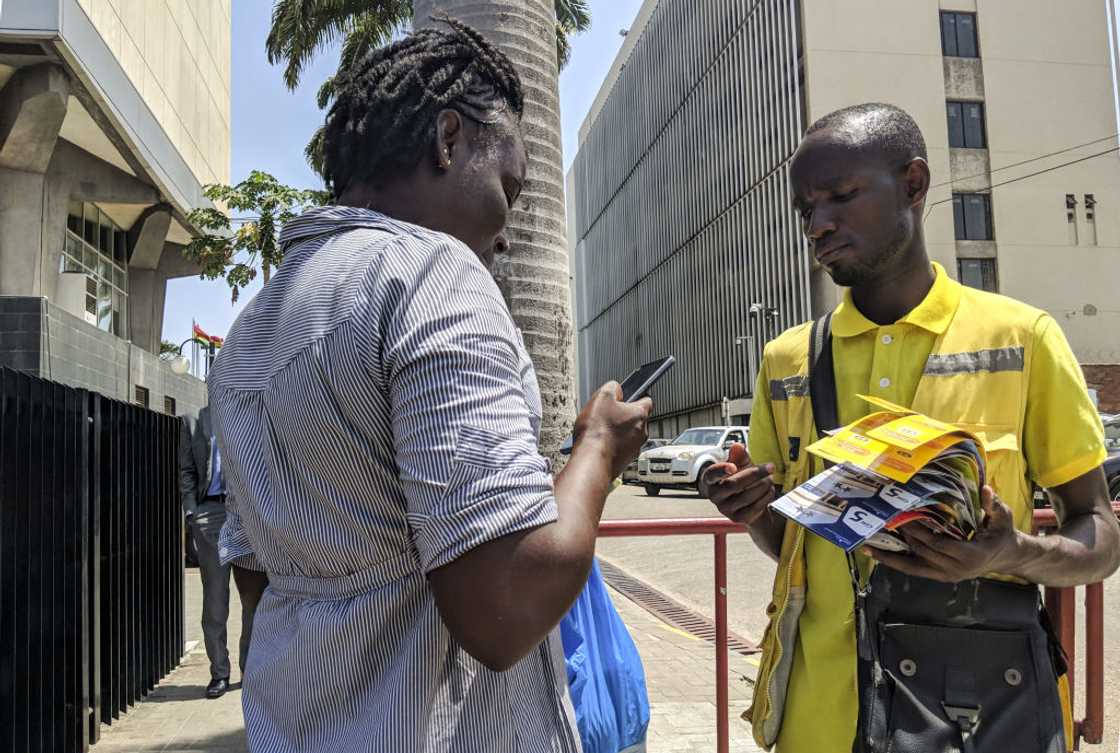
682 202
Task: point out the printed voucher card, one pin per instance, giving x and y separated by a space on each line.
890 469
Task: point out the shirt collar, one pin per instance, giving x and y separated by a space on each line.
934 313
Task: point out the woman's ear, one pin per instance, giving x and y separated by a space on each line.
449 137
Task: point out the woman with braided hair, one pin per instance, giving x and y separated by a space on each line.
378 417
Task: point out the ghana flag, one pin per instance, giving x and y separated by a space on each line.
202 338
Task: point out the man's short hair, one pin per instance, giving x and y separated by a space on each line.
877 127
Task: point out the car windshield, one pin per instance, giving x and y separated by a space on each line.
1112 433
699 437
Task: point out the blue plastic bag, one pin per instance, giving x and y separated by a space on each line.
605 675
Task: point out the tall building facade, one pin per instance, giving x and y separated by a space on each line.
113 116
685 238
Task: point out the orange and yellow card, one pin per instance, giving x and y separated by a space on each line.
895 442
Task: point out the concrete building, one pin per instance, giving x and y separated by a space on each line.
113 115
686 241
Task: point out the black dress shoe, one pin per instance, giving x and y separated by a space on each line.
217 688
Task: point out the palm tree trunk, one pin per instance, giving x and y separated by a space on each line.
533 276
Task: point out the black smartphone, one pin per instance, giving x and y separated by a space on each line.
635 387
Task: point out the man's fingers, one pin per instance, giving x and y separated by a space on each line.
738 456
907 564
718 471
932 551
995 511
645 405
745 509
748 476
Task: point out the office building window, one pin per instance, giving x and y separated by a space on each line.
966 125
169 405
978 273
958 35
972 216
141 396
97 248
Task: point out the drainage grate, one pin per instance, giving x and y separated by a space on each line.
670 611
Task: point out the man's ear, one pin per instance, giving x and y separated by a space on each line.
917 181
449 138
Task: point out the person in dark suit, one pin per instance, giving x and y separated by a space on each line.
203 489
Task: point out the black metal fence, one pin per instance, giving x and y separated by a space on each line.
91 573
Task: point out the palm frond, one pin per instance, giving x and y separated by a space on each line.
301 28
313 152
573 16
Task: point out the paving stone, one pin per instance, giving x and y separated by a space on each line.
680 678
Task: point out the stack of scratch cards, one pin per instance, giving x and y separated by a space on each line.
890 469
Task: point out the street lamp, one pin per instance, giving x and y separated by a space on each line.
180 364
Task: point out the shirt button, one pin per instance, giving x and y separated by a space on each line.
884 382
887 339
223 551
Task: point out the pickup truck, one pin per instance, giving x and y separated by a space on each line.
679 464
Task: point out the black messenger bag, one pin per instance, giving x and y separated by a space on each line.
970 667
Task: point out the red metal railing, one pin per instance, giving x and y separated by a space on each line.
1060 602
718 528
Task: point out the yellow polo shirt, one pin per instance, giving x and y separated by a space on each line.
888 361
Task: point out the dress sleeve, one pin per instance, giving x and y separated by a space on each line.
455 372
233 542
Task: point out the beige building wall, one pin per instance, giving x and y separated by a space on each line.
1047 86
177 55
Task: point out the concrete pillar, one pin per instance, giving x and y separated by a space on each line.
32 108
148 237
147 284
147 290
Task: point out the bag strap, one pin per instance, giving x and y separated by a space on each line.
822 377
826 417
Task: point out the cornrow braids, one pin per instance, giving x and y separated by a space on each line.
386 104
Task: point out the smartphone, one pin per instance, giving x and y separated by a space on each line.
635 387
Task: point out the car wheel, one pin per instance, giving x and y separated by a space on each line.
700 475
652 490
1114 488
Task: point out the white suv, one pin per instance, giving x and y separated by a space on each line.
678 465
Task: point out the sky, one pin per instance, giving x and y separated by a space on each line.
271 125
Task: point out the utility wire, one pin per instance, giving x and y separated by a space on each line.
1031 175
1026 161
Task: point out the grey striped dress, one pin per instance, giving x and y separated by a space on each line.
378 417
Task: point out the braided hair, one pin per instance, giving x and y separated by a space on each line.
386 103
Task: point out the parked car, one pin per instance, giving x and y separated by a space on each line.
630 475
680 463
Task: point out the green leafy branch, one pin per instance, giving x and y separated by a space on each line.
258 206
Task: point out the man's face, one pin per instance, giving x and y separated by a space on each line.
486 185
853 207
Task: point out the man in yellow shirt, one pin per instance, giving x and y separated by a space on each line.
905 332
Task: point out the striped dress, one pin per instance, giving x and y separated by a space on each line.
378 418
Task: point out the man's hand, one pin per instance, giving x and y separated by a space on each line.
740 491
939 557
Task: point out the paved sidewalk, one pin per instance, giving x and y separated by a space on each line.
680 678
177 717
680 674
